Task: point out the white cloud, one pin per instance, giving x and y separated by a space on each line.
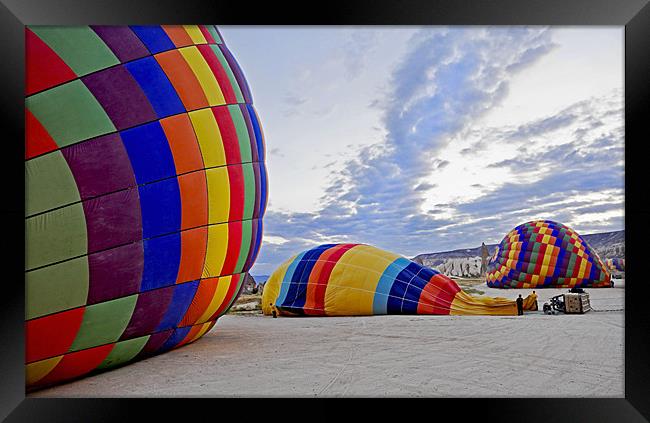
274 239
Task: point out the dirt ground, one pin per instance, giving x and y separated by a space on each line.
403 356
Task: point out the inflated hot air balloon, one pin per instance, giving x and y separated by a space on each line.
616 264
545 254
145 189
357 279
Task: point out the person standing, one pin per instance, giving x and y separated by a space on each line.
520 305
484 257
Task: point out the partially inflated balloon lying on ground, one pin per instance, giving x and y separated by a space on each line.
145 189
357 279
545 254
615 264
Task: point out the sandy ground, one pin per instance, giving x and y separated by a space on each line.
428 356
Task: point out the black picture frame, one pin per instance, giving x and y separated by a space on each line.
633 14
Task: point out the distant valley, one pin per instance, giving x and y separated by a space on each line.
466 262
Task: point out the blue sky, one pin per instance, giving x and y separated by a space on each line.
423 139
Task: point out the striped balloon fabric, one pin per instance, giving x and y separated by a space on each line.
545 254
145 189
616 264
358 279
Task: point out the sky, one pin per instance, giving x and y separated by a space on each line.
426 139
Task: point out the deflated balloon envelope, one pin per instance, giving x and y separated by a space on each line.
145 189
543 253
357 279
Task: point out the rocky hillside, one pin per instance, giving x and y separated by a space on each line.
251 286
467 262
608 244
250 298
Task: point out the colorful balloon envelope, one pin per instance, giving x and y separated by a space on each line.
616 264
545 254
358 279
145 190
